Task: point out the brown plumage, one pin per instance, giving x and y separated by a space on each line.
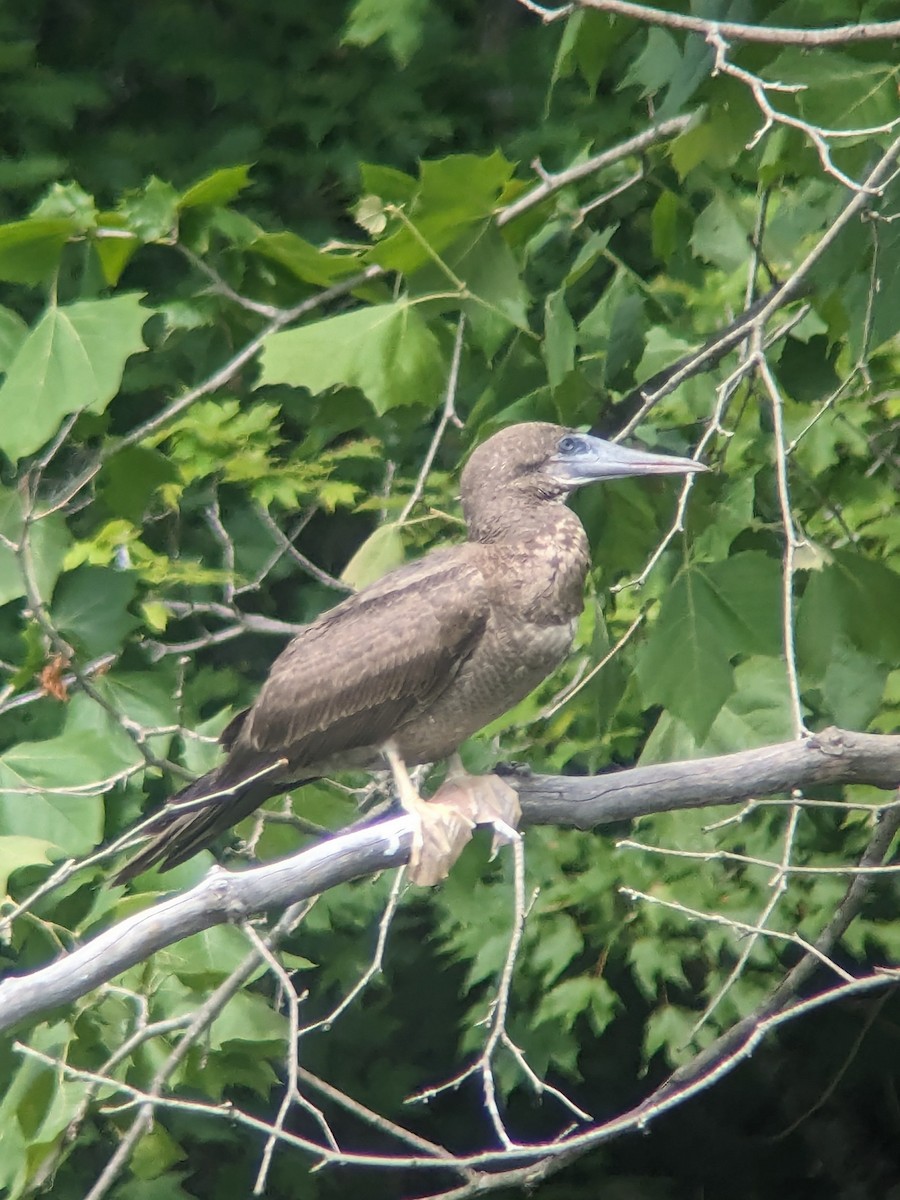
427 655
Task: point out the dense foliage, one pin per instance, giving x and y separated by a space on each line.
240 246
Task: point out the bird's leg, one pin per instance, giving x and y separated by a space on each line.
440 830
487 799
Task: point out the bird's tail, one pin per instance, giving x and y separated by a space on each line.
197 814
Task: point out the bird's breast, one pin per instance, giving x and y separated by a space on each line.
511 659
531 588
536 591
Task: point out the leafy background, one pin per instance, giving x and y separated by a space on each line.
181 394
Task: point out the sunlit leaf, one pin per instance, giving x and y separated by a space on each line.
220 187
380 552
30 249
386 350
71 361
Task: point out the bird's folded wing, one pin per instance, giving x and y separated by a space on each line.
378 659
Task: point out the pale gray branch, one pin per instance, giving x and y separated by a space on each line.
831 757
834 756
779 35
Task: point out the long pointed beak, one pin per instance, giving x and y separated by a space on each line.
607 460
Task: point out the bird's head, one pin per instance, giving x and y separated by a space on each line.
537 462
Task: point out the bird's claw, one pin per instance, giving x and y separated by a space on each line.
446 821
440 835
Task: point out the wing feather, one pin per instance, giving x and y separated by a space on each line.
365 667
350 680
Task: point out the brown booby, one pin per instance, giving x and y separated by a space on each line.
408 668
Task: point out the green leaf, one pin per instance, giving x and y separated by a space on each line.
758 712
454 193
69 201
382 550
805 372
720 235
669 1030
52 789
692 71
71 361
371 214
386 350
858 93
147 699
30 250
90 608
387 183
855 601
871 600
67 1098
625 343
131 478
874 319
48 542
615 328
303 259
113 245
656 65
468 185
560 942
218 188
664 225
491 273
151 213
21 851
399 22
29 1092
585 994
13 332
559 338
597 38
205 958
711 614
154 1154
590 253
248 1018
70 823
654 964
720 138
852 686
92 744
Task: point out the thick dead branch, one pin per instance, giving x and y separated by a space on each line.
832 757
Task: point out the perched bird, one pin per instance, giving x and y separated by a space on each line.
405 670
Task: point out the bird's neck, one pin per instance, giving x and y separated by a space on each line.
513 519
541 558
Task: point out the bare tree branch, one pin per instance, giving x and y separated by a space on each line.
836 35
832 757
723 1055
630 411
551 183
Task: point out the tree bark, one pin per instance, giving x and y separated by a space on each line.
832 757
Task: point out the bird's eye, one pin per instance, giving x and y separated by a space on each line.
571 445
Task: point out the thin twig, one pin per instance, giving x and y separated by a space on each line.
448 414
553 181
